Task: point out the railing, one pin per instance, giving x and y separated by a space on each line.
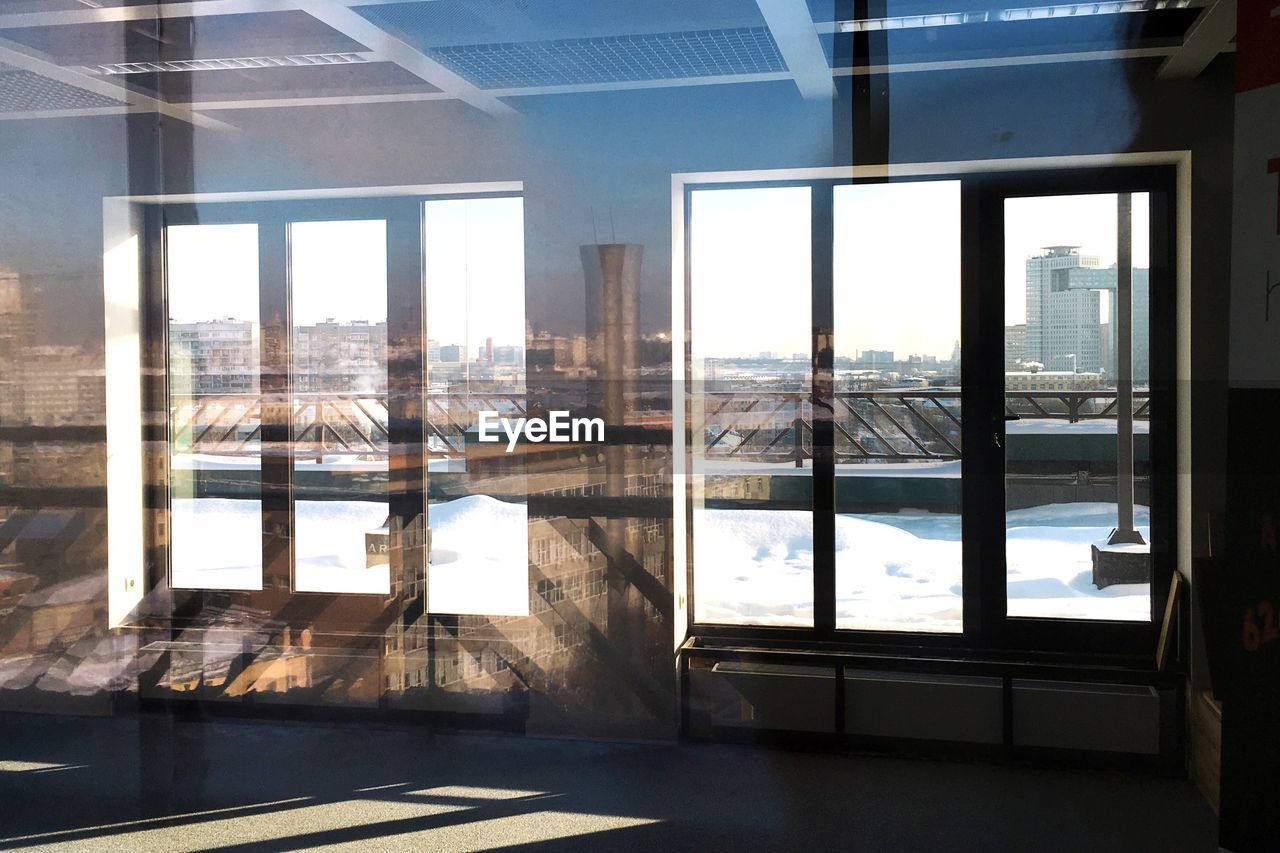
896 425
327 423
762 426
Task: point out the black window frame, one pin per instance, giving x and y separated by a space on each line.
986 626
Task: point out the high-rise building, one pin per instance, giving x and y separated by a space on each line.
1062 322
1074 323
13 337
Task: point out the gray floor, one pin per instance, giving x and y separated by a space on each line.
130 784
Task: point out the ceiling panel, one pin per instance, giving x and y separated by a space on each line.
26 91
464 22
369 78
655 56
212 37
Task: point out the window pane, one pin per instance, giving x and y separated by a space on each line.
478 509
751 325
338 286
1062 375
215 446
897 412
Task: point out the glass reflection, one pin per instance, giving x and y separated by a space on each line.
338 299
897 409
751 334
215 446
475 305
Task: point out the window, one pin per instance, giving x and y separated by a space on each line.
897 406
215 430
1077 521
311 411
751 337
974 345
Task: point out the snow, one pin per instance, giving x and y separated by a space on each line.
480 550
329 547
479 557
902 571
216 543
1094 426
930 470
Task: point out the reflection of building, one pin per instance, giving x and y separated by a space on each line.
60 385
341 357
214 356
1015 346
13 337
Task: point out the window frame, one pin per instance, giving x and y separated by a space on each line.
407 492
986 627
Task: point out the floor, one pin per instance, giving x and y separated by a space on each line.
152 783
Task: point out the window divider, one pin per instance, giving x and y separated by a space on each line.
822 233
276 395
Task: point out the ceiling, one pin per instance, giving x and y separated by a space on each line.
202 60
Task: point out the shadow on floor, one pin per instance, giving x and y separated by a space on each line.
154 783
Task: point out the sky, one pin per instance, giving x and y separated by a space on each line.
897 264
473 271
212 272
1088 221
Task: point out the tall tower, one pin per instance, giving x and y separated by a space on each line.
1055 316
14 334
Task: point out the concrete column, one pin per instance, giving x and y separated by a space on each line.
612 272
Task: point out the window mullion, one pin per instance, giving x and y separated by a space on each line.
275 395
823 409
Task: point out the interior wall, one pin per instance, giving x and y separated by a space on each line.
596 168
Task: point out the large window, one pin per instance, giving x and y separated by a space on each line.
215 447
753 516
931 407
325 365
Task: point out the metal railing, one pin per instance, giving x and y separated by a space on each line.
763 426
327 422
896 425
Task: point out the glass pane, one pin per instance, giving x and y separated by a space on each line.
1071 551
478 509
215 416
751 325
338 285
897 412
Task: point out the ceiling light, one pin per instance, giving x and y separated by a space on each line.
1025 13
235 64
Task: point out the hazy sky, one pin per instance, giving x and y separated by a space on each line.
897 264
473 271
212 272
338 271
750 272
897 268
